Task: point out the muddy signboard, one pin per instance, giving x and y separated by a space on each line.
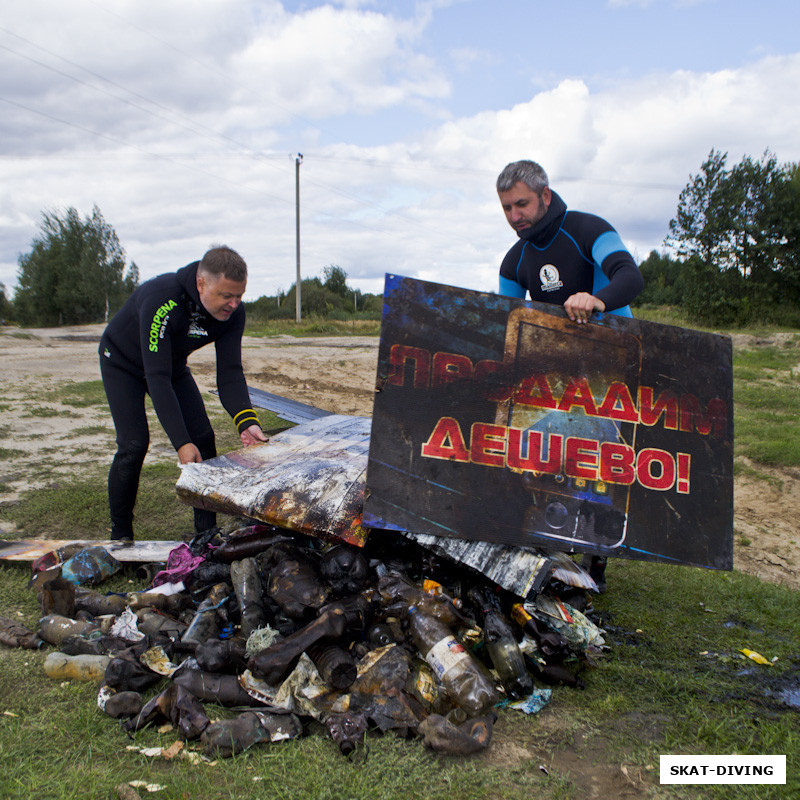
498 419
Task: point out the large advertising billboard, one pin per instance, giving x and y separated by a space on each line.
498 419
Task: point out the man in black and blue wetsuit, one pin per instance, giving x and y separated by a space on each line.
563 257
144 350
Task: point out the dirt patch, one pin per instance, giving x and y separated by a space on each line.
337 374
557 746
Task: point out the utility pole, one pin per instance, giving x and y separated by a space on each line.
297 162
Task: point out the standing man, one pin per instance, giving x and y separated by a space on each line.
563 257
144 351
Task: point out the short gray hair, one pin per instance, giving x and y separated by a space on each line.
221 260
528 172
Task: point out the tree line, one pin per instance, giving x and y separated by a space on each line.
734 244
736 236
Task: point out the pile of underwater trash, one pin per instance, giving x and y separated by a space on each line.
293 635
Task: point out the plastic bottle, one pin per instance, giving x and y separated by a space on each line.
275 662
462 676
336 666
293 581
54 628
205 623
248 542
12 634
346 729
503 649
247 585
222 655
211 687
81 668
98 604
397 593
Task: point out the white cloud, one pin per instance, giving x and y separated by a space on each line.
222 94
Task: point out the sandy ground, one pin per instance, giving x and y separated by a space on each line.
46 441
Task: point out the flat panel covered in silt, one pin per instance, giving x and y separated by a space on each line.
308 479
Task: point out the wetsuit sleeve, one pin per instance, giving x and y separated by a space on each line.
231 383
623 279
156 322
510 288
509 273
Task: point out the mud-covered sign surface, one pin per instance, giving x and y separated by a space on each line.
500 420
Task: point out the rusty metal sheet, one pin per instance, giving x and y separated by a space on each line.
308 479
500 420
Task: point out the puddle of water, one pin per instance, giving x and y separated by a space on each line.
789 696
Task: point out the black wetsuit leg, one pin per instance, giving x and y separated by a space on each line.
125 393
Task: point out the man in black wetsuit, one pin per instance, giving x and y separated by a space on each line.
563 257
144 351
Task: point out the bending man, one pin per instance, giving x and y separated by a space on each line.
144 351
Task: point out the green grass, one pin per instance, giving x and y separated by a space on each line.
10 452
89 430
78 508
314 326
767 404
79 394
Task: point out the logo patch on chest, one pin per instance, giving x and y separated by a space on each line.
195 331
551 280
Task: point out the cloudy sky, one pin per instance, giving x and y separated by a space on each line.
182 121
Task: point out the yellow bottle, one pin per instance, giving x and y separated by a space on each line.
80 668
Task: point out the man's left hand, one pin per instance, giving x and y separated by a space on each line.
580 306
252 435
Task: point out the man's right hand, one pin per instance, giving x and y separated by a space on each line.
189 454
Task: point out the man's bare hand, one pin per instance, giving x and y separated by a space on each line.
582 305
252 435
189 454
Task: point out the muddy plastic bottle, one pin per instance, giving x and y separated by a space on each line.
346 729
502 648
275 662
246 580
222 655
12 634
80 668
214 688
464 679
205 623
336 666
293 581
151 621
397 593
98 604
345 568
54 628
248 543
